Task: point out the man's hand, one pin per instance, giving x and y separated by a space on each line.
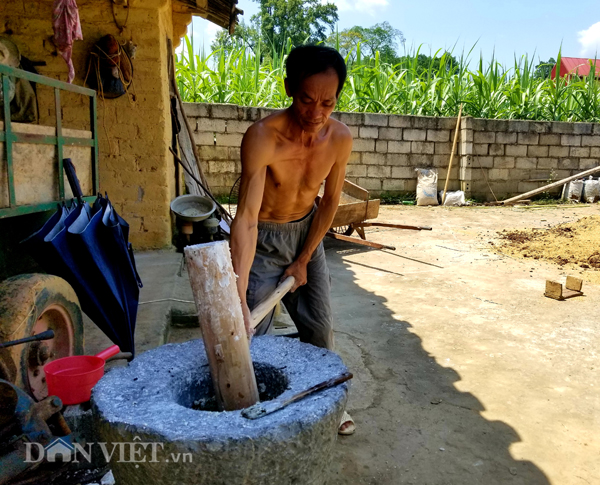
298 270
247 320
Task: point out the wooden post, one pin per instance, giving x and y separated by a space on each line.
220 314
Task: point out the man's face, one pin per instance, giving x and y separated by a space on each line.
315 99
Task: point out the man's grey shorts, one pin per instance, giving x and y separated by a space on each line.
278 246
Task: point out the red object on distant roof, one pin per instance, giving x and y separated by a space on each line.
571 66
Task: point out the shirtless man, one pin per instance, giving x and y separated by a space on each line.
277 231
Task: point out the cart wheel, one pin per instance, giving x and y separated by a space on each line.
31 304
344 230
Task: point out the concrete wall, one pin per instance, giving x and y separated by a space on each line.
387 149
136 168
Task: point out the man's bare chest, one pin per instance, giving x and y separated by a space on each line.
301 166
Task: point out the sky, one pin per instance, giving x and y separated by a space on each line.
503 28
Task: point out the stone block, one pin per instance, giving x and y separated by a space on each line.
420 160
370 183
422 147
528 139
368 132
590 141
363 145
506 138
264 112
379 171
466 123
196 110
414 134
227 111
251 114
230 139
580 152
547 163
528 186
438 135
465 173
381 146
498 174
397 159
207 124
595 152
443 160
351 118
526 163
447 124
479 124
394 184
399 147
568 163
549 139
596 129
356 171
211 152
396 121
355 157
443 148
373 158
465 148
238 126
516 150
561 174
537 151
221 166
375 119
353 130
558 151
496 149
390 133
582 128
424 122
403 172
498 126
484 136
483 162
540 126
562 127
518 125
204 138
504 162
481 149
570 140
585 163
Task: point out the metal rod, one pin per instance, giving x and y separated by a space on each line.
94 130
47 335
59 145
46 81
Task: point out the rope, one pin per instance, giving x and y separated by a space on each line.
119 26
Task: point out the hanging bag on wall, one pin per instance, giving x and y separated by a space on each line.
110 70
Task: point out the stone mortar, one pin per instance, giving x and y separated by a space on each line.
151 399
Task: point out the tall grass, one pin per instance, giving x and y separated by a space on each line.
239 76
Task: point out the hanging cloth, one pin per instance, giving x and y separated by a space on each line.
67 29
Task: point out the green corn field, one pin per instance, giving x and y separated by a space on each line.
244 77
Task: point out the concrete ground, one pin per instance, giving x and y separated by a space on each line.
464 372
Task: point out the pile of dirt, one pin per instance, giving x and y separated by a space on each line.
574 245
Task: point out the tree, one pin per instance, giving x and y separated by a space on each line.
543 69
382 38
244 34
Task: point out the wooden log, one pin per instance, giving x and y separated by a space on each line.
360 242
220 315
265 306
553 185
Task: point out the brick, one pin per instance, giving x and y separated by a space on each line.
396 121
362 145
568 163
204 138
496 149
498 174
518 125
355 157
206 124
528 139
447 124
370 183
561 174
403 172
251 114
379 171
228 111
443 148
424 122
356 171
399 147
414 135
582 128
483 162
238 126
526 163
537 151
547 163
422 147
590 141
397 159
570 140
351 118
528 186
221 166
481 148
581 152
196 110
540 126
595 152
506 138
465 148
209 152
504 162
558 151
394 185
497 126
585 163
479 124
368 132
353 131
466 136
596 129
442 161
438 135
549 139
562 127
516 150
390 133
381 146
376 119
484 137
373 159
420 160
229 139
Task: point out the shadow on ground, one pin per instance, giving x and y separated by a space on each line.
413 425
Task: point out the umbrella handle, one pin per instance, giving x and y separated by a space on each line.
109 352
69 169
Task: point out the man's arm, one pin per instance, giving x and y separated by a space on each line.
244 229
325 212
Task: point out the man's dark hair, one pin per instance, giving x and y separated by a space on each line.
307 60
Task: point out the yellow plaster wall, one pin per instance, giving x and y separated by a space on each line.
136 168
